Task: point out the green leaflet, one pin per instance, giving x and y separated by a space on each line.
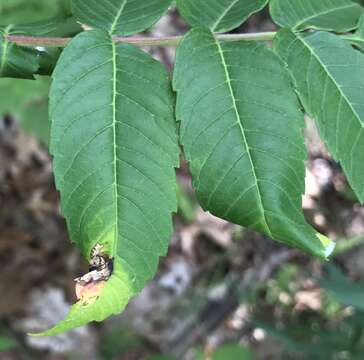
218 15
122 17
357 39
24 62
113 299
360 31
335 15
114 146
16 61
329 76
241 129
56 26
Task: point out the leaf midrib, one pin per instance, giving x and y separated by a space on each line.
238 121
311 50
302 22
215 25
117 17
114 124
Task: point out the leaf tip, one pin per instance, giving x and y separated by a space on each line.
328 245
97 302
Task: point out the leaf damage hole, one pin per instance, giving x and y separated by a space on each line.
88 287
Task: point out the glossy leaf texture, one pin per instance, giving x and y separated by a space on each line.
122 17
114 146
241 129
329 77
218 15
16 61
335 15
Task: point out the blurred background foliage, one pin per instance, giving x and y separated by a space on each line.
28 11
223 293
27 99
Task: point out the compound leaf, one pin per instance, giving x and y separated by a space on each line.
241 129
329 76
123 17
335 15
114 146
218 15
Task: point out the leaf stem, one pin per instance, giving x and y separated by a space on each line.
139 41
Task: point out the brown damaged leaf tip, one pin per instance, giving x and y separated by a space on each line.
89 286
87 293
